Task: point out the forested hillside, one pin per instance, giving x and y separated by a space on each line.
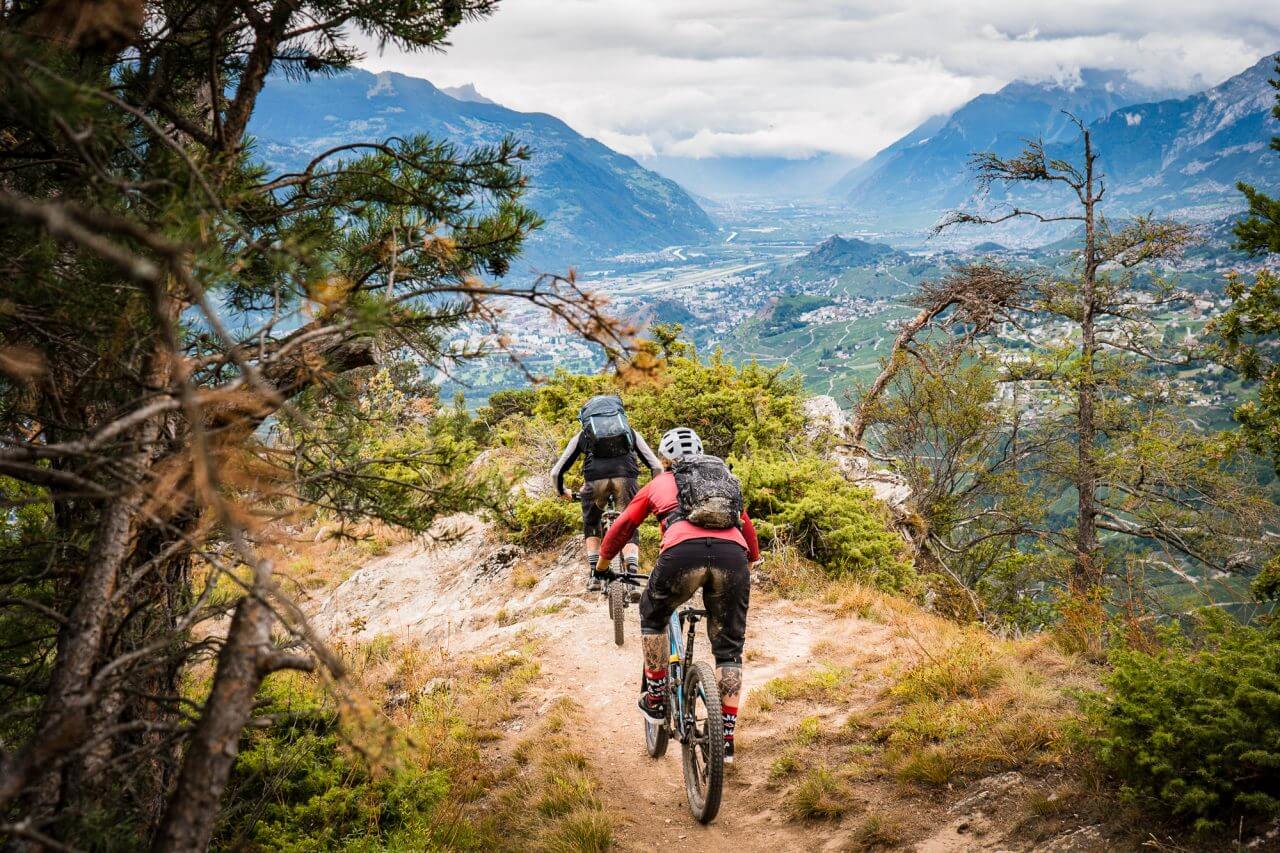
264 589
594 202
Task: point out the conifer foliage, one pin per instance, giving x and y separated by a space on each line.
163 298
1195 725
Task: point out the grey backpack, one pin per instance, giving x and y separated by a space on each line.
710 496
605 431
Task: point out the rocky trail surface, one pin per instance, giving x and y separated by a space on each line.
474 592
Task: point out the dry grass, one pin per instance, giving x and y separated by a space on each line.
441 711
827 683
554 802
820 795
932 705
786 764
522 577
970 704
878 831
965 668
785 573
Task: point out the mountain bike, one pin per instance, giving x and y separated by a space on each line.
695 717
617 592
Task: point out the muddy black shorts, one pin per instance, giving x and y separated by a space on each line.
595 496
719 568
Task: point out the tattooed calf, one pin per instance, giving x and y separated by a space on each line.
655 651
730 678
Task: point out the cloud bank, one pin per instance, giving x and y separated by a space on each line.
704 78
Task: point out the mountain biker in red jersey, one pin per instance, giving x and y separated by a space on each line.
716 561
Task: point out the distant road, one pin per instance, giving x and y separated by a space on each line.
669 278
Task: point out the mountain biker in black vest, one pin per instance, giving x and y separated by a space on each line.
611 451
714 555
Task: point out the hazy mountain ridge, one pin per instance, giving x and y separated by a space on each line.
1183 157
729 177
926 172
1177 156
596 202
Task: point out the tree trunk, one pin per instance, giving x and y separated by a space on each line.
1087 574
64 716
246 658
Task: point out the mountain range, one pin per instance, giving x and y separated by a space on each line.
596 203
1183 157
1178 156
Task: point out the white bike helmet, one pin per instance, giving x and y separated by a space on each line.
680 442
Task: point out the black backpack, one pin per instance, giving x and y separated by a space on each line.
605 431
710 496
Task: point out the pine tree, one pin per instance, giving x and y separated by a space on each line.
163 297
1110 411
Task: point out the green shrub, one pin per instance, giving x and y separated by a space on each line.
734 410
1195 726
803 501
296 787
542 522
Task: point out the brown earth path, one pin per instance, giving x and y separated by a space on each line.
475 592
648 793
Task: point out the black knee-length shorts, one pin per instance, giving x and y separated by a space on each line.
595 496
720 569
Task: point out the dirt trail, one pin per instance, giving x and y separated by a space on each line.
649 794
449 594
476 592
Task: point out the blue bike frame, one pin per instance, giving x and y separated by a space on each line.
675 670
677 661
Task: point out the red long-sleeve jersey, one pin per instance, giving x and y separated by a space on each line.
659 497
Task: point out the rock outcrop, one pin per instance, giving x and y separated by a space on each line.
823 416
453 588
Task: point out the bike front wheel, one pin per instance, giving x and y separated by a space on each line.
703 743
617 610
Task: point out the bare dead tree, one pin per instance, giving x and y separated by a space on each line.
970 300
1109 400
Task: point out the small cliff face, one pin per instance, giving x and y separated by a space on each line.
824 416
463 586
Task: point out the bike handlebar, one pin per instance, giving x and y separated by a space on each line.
633 578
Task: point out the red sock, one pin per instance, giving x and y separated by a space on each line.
730 720
655 680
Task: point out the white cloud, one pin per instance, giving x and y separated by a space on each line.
711 77
1132 119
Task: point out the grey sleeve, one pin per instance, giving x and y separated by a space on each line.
564 462
646 455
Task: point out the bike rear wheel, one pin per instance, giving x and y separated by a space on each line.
655 738
704 742
617 610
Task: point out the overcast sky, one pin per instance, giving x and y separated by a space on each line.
791 77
